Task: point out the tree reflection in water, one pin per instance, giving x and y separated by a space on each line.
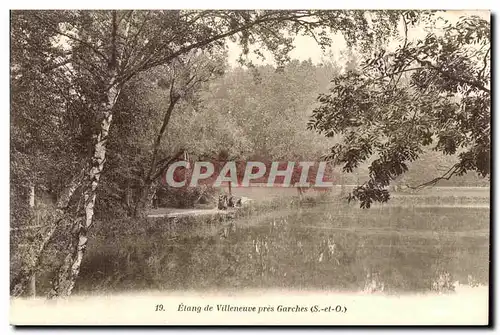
310 249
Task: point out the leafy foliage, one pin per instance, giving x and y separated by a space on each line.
432 92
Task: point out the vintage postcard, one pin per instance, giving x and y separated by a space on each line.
250 167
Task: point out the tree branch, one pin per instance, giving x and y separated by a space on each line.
167 162
74 38
46 69
154 59
481 73
391 75
452 77
446 176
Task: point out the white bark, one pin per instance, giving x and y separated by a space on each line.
32 206
67 278
32 196
67 193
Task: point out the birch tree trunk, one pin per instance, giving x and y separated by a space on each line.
65 282
65 196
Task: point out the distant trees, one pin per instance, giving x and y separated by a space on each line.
272 106
432 92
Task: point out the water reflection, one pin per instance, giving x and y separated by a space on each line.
302 250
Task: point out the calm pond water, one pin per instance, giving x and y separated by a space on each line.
390 250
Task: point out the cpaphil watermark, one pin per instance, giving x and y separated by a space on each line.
306 174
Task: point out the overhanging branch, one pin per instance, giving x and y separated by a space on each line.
446 176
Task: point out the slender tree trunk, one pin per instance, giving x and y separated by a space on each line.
32 197
300 191
151 195
23 281
35 214
68 273
156 146
145 202
64 283
128 199
149 189
33 285
142 204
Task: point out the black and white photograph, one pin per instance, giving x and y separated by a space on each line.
250 167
